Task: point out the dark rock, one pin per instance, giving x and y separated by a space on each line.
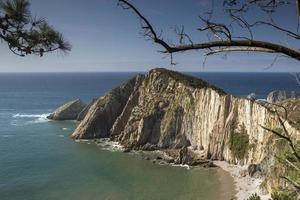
253 170
209 164
127 150
149 147
159 158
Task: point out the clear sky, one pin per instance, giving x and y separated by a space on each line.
106 38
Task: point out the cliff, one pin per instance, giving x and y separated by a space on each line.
103 112
170 111
166 109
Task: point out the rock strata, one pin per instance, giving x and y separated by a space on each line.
68 111
104 111
85 110
186 117
170 110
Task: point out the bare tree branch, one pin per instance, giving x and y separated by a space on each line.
296 185
219 30
230 49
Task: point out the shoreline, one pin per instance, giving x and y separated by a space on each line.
232 184
244 186
226 189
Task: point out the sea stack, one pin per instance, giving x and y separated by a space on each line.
68 111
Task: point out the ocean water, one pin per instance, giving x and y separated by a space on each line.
38 160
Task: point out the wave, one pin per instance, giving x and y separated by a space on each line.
37 118
18 115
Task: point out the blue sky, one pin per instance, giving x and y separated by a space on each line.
106 38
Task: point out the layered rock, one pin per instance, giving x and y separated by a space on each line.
279 95
103 112
85 110
68 111
169 110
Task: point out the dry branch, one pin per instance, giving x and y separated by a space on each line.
224 41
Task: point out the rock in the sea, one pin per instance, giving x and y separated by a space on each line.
68 111
279 95
104 111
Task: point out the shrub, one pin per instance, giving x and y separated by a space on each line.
282 196
254 197
239 142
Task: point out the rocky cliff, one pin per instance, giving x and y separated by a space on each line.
166 109
103 112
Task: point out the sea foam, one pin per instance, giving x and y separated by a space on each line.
35 118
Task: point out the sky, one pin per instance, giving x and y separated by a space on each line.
106 38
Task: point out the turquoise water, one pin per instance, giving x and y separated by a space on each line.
39 161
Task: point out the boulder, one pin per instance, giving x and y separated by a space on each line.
68 111
280 95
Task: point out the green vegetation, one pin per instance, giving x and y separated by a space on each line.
254 197
283 195
239 142
26 34
286 168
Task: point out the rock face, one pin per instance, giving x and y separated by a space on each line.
68 111
277 96
171 111
103 112
85 110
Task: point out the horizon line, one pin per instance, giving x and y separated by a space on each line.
55 72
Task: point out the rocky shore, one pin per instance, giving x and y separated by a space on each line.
191 121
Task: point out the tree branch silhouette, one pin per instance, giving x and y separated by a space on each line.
25 34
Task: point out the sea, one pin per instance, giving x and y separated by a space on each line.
39 161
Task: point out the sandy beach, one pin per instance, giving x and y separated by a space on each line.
244 186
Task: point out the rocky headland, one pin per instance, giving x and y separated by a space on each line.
190 120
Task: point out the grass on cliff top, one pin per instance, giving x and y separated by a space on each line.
188 80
